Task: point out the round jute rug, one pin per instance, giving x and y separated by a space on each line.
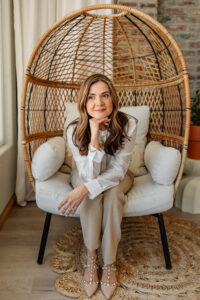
141 266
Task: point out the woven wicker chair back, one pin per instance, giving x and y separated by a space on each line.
136 52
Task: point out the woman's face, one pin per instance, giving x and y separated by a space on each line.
99 103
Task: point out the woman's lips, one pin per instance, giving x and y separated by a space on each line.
99 110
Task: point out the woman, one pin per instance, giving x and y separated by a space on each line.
101 142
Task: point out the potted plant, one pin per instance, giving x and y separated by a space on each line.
194 139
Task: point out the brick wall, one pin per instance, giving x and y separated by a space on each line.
149 7
182 20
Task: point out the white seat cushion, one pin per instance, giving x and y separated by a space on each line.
51 192
146 196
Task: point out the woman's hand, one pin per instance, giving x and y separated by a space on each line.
95 126
72 201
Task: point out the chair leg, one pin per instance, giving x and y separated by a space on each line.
164 240
44 238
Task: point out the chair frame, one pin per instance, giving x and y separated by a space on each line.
169 83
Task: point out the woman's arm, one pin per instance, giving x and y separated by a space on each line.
88 166
117 166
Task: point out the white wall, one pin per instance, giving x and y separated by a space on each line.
8 152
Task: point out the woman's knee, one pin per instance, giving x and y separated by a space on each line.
113 196
91 204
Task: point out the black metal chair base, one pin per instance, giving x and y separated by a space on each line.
164 240
162 234
44 238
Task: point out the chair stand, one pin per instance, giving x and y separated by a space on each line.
44 238
162 234
164 240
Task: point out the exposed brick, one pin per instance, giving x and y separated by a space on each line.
188 2
190 68
153 15
149 5
161 3
189 52
167 19
182 44
195 11
186 19
175 11
176 27
133 4
192 77
178 3
195 44
191 60
186 36
126 1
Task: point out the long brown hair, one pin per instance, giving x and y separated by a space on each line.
81 134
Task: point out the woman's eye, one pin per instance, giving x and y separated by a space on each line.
90 97
105 96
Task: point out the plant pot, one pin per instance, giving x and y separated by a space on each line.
194 142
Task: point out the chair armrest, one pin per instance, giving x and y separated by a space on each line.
48 158
162 162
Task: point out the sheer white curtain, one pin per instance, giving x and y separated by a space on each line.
31 20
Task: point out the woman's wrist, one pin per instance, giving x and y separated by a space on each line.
94 143
84 190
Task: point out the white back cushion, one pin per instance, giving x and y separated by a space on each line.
48 158
71 113
142 114
162 162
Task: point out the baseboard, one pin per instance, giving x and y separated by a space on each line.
4 215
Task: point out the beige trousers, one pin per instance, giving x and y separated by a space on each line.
101 218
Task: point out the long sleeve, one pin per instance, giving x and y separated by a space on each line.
117 166
88 166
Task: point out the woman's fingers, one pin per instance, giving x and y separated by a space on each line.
103 120
107 122
71 211
95 123
69 208
62 203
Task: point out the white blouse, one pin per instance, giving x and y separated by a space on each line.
101 171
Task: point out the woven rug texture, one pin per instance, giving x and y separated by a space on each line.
141 271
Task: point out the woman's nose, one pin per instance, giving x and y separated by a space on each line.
99 100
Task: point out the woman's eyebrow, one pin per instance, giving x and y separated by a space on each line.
101 93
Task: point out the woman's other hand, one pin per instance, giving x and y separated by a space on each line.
72 201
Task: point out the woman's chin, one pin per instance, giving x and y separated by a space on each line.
100 115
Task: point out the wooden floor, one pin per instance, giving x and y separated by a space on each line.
21 278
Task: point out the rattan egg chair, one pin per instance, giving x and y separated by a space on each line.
136 52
